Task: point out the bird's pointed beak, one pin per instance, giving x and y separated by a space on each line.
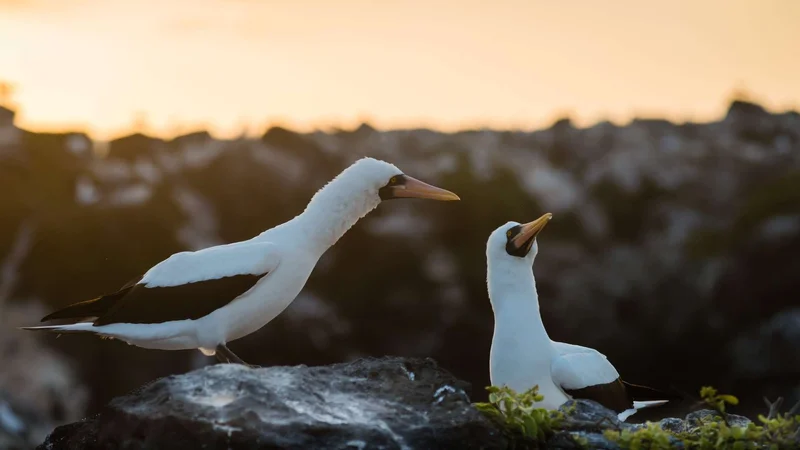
413 188
530 230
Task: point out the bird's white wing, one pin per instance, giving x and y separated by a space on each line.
241 258
577 367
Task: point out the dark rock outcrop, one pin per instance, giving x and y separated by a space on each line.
389 403
385 403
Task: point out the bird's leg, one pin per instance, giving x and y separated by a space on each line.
221 357
224 352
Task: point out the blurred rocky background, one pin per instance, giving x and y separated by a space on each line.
673 250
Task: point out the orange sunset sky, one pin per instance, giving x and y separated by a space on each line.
95 65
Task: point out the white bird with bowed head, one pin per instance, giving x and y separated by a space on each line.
208 298
522 354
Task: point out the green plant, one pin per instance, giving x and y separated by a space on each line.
717 401
776 432
517 412
782 429
652 436
530 426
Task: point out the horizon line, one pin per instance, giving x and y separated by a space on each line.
247 129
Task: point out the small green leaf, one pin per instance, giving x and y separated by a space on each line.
508 404
487 408
531 428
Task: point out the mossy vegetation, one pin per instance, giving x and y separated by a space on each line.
651 436
530 427
516 413
777 431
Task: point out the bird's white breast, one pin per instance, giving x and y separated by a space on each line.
521 356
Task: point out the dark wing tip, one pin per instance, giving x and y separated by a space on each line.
645 393
72 311
59 314
89 308
612 395
94 307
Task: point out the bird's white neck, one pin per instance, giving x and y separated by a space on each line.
515 302
332 211
326 222
521 352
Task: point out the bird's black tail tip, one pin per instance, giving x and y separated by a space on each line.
644 393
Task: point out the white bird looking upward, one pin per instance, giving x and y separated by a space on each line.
207 298
522 354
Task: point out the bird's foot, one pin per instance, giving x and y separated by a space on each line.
227 361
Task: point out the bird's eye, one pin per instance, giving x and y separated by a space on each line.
393 180
509 233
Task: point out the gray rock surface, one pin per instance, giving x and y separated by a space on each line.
587 423
698 418
388 403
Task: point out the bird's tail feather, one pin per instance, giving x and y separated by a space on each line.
637 405
82 327
623 416
138 332
648 404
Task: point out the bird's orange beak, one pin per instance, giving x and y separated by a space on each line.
413 188
530 230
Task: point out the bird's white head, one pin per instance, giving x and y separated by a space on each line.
371 181
515 242
358 190
510 252
389 182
